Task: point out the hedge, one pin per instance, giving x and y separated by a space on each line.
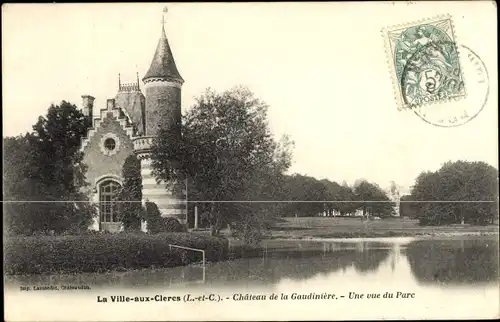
105 252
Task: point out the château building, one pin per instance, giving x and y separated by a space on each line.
126 125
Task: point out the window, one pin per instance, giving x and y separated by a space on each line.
108 191
109 144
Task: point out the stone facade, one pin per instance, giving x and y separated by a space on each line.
163 106
105 149
101 163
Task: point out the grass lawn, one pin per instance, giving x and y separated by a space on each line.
335 227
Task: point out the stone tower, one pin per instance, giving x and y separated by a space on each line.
162 84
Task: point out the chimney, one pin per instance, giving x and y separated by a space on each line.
110 104
87 105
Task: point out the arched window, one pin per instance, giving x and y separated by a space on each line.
108 191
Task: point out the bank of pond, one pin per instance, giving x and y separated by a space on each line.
107 252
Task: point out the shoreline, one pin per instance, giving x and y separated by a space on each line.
377 235
401 239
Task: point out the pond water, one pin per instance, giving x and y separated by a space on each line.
427 278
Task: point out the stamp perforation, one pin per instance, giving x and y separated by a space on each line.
389 53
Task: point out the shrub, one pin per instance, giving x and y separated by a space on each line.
171 225
104 252
47 217
158 224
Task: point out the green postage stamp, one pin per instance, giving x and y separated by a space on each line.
424 62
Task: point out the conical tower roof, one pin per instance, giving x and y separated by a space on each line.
163 64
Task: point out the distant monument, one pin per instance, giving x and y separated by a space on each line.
395 196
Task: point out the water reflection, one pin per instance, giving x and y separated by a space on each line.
426 261
454 261
309 260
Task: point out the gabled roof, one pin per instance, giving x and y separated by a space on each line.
119 114
163 64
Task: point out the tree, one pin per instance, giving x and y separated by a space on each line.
48 174
17 185
333 192
228 153
371 193
408 208
459 192
130 195
16 152
299 189
344 207
332 196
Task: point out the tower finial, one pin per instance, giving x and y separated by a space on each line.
165 10
137 73
119 82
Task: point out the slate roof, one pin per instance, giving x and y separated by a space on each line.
163 64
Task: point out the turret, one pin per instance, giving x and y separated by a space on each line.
162 84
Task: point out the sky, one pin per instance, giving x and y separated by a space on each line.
321 67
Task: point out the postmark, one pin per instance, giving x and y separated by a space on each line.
444 83
456 111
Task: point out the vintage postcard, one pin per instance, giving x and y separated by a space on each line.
250 161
